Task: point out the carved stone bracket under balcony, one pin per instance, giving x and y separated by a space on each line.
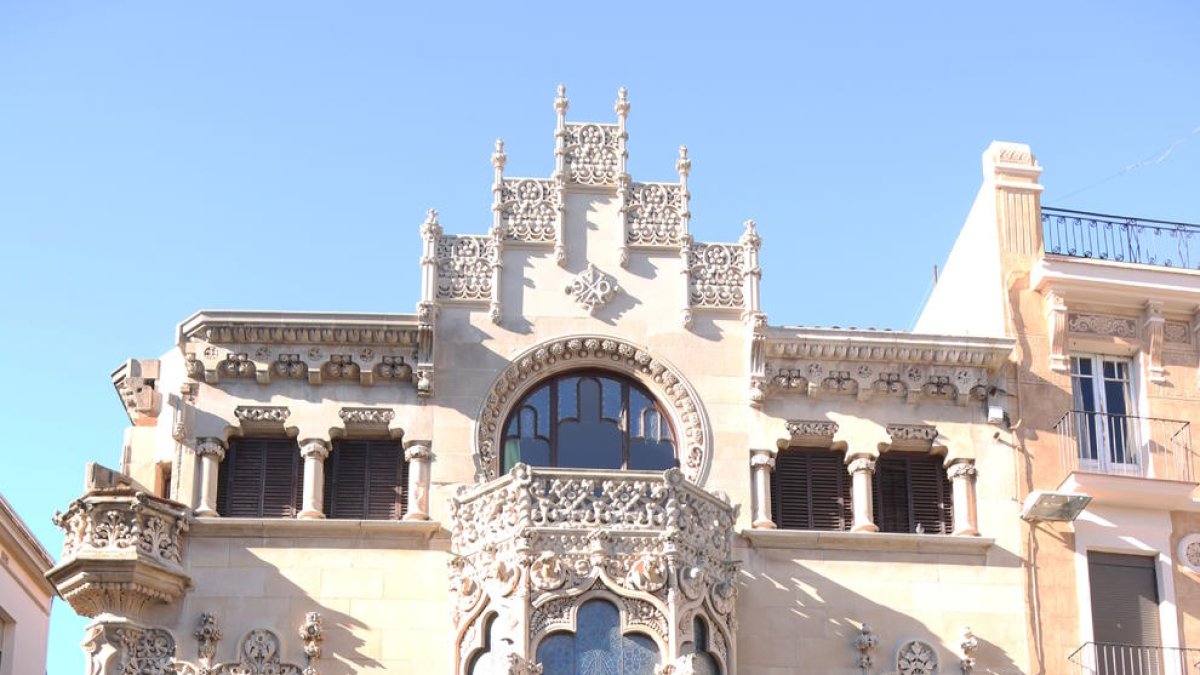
123 550
531 546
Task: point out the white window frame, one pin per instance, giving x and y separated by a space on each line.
1101 425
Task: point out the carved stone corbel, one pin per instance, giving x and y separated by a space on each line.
1152 324
1056 324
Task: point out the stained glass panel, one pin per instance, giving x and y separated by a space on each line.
597 647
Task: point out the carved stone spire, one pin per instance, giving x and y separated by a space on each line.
499 159
622 105
683 165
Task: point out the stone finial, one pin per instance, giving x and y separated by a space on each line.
622 105
683 165
750 236
499 159
431 228
560 101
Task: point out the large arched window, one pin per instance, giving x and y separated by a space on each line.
597 646
589 420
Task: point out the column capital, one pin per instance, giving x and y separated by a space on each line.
861 464
206 447
762 458
964 468
317 448
418 451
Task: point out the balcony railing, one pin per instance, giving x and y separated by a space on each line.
1081 234
1124 445
1100 658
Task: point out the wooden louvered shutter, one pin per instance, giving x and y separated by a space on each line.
366 479
810 490
260 478
283 480
911 490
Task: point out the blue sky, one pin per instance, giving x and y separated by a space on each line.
159 158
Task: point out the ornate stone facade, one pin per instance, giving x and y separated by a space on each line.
388 493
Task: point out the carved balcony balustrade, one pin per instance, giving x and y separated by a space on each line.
533 545
123 550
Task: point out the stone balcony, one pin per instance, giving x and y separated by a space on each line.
531 544
123 550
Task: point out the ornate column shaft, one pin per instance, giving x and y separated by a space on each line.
419 456
314 451
1056 322
862 472
762 463
211 452
962 481
1153 324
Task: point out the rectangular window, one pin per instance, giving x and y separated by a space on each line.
810 490
1125 628
912 494
1103 410
261 478
366 480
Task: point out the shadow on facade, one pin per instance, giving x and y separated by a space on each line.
789 615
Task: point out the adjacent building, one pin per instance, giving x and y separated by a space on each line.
1103 311
25 597
589 451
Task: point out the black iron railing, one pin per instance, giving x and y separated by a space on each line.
1145 447
1081 234
1099 658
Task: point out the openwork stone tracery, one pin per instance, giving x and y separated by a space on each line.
535 545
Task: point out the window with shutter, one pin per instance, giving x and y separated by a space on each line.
912 494
366 480
810 490
261 478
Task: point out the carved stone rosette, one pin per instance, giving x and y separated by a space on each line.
122 550
535 544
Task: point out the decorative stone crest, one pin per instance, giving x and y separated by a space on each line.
1177 332
592 288
529 209
968 644
912 434
715 276
312 633
207 635
464 267
542 360
290 366
341 367
653 214
393 369
593 153
237 365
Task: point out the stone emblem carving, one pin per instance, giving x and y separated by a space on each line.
968 644
1101 324
1177 332
605 352
290 366
916 658
715 275
592 288
464 266
207 635
865 643
1189 552
920 433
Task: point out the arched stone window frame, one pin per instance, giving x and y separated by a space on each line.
569 623
554 357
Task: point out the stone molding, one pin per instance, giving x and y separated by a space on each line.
352 416
1102 324
535 364
266 415
316 448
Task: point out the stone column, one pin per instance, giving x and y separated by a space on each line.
862 499
419 456
314 451
962 481
211 452
762 463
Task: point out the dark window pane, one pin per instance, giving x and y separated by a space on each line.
810 490
366 479
912 494
260 478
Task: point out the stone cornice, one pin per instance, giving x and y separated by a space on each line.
307 328
837 344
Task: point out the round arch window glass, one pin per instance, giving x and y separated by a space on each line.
589 420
